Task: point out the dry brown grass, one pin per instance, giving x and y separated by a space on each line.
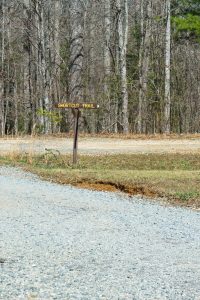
107 135
175 177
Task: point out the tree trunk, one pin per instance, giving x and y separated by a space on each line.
107 62
144 63
2 112
167 103
122 30
76 51
55 50
45 71
57 9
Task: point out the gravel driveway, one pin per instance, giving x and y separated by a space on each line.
59 242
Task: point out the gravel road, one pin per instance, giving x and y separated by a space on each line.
59 242
100 145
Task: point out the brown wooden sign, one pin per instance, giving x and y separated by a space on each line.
75 109
77 105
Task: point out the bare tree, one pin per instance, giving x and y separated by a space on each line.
167 105
144 56
2 106
59 50
76 11
107 49
122 30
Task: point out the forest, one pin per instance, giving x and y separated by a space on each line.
139 60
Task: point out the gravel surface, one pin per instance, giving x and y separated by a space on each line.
59 242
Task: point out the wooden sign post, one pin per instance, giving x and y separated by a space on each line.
75 145
76 112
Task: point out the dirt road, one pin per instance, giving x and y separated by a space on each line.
100 145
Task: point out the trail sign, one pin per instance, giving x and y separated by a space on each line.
77 105
76 112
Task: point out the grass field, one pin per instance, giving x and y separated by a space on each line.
174 178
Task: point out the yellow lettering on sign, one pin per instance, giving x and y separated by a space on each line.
68 105
77 105
88 105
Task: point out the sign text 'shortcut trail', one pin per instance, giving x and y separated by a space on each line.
77 105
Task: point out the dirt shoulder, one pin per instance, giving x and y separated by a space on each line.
174 177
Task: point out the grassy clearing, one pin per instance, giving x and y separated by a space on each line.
175 177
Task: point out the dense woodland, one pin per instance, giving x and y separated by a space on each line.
138 59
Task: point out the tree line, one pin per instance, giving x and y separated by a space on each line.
138 59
